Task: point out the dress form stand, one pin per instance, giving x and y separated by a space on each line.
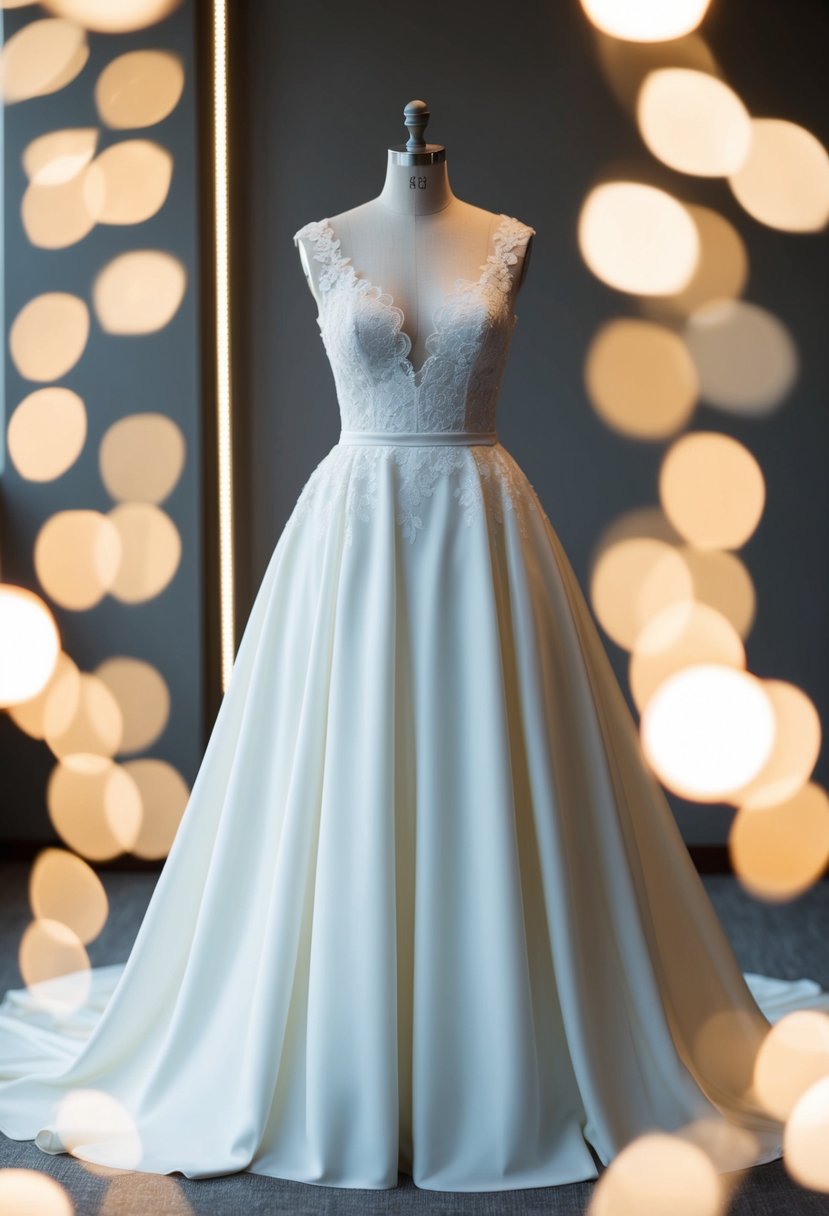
416 237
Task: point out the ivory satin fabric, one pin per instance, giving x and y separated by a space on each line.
427 908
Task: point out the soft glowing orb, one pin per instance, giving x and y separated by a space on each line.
806 1136
632 580
794 1055
693 122
29 644
139 89
139 292
48 335
778 852
46 433
655 1174
707 730
784 181
641 378
745 357
680 635
638 239
646 20
31 1193
712 489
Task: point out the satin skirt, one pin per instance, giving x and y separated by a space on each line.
427 908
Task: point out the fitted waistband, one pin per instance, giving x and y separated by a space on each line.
419 438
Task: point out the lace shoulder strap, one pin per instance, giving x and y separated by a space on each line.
510 241
325 248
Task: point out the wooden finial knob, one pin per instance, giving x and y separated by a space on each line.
416 116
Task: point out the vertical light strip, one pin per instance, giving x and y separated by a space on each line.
223 401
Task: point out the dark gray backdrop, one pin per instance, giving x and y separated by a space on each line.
530 125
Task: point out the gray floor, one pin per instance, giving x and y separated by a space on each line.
787 941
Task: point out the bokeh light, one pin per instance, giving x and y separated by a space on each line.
646 20
128 182
637 238
680 635
54 217
794 1055
48 335
96 725
94 806
143 700
41 58
141 457
641 378
632 580
65 888
784 181
797 740
139 89
51 950
29 644
721 580
164 794
139 292
806 1136
745 357
94 1125
712 489
707 730
46 433
778 852
721 271
58 156
693 122
150 547
77 556
54 707
32 1193
655 1174
109 18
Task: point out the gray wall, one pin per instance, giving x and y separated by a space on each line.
115 376
530 125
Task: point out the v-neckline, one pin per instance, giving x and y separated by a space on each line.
386 299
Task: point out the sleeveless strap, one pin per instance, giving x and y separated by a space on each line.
326 249
509 240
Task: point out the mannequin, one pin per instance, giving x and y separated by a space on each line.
416 238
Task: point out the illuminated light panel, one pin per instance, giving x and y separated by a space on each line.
139 292
637 238
55 705
50 950
632 580
29 1192
707 730
798 737
224 416
646 20
794 1055
693 122
49 335
46 433
139 89
784 181
680 635
745 357
58 156
143 700
141 457
65 888
91 1123
95 728
94 806
29 644
721 272
658 1173
128 182
805 1139
77 555
164 794
722 581
712 490
41 58
641 378
778 852
150 548
108 18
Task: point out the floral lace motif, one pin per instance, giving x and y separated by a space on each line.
487 481
378 388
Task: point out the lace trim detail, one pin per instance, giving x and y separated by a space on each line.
487 481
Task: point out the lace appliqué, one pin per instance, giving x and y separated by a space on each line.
344 486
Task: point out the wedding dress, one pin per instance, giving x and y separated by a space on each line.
427 908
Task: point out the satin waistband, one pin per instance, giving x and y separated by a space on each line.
418 438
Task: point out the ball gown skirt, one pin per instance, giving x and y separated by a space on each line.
427 907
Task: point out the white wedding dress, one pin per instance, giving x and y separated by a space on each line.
427 907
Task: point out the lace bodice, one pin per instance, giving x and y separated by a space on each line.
382 396
378 389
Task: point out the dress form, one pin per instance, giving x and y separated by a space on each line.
416 238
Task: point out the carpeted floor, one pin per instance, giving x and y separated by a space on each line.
789 941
